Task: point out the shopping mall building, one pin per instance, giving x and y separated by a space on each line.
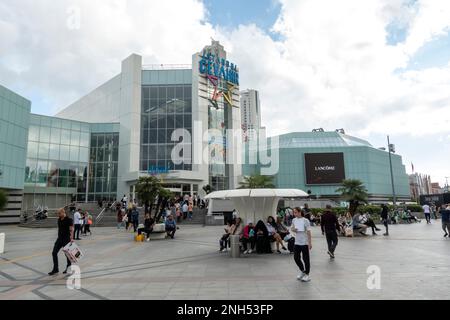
129 127
317 162
99 146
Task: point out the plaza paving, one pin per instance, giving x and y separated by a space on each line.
414 262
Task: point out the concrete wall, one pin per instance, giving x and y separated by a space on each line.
118 100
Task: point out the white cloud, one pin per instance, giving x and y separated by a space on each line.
332 67
41 51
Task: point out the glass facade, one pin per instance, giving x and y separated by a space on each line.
57 157
164 109
14 117
103 166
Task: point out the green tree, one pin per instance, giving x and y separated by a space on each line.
257 182
208 189
147 190
3 200
354 192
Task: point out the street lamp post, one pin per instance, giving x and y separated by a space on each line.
391 149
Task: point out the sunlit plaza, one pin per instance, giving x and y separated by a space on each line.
413 264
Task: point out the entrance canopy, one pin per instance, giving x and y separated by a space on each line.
256 204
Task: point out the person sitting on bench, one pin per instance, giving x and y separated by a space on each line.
149 222
367 220
224 242
358 225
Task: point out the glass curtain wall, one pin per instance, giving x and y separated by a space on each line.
57 158
164 109
103 168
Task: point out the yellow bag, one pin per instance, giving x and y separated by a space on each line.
139 238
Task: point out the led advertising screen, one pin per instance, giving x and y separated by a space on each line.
324 168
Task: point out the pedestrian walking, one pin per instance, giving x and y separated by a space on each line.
330 228
445 216
427 211
385 218
65 236
185 210
135 217
303 244
77 220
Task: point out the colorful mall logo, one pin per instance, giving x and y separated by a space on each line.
215 69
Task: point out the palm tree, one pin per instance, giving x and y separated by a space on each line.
353 191
208 189
256 182
164 196
3 200
147 190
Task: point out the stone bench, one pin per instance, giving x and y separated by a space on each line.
159 231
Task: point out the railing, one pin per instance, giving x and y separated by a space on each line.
166 66
99 217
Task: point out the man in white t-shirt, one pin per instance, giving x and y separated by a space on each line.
77 223
303 244
427 212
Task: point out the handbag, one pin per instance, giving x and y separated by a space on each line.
349 232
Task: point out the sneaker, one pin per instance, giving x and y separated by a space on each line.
250 251
329 253
306 278
300 275
445 235
385 234
53 272
148 239
246 251
377 229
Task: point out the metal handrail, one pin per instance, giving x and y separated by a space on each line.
101 214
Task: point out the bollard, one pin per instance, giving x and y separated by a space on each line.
2 243
235 251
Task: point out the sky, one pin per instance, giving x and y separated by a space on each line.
373 67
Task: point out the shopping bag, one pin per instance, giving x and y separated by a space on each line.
349 232
73 252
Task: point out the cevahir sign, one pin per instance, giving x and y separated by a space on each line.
210 65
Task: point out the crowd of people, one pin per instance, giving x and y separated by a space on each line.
174 211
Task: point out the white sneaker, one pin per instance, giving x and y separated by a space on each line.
306 278
250 251
246 252
300 276
148 239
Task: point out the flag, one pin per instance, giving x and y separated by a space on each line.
412 167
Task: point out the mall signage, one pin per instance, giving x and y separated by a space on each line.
324 168
212 65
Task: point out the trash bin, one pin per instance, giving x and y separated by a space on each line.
235 250
2 243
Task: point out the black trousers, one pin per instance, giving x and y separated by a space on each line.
302 253
77 230
147 231
59 244
171 231
252 242
332 240
386 224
